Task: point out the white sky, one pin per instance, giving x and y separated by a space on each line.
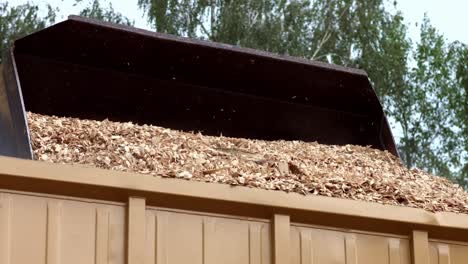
450 17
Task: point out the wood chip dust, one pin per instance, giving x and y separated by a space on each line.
351 172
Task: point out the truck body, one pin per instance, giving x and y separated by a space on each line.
51 213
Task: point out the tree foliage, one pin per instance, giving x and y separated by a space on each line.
435 132
421 85
97 11
18 21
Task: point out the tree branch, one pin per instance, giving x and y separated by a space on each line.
328 33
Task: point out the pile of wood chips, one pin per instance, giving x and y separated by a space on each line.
351 172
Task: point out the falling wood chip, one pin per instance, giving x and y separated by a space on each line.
350 172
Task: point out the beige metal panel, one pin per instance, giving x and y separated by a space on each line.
281 239
350 249
459 254
109 185
28 229
318 246
78 222
96 230
180 237
37 229
383 249
255 243
420 247
446 253
102 235
314 245
54 231
136 230
306 250
394 251
265 238
5 228
433 253
150 238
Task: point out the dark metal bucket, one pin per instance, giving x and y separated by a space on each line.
89 69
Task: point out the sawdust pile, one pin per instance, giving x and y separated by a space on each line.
351 172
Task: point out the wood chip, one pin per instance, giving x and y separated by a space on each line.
349 172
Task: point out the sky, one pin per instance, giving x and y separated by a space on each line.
448 16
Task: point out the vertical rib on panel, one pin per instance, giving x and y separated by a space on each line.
255 244
420 247
444 254
136 230
394 251
53 232
161 220
150 256
208 240
281 239
350 249
307 252
102 236
5 235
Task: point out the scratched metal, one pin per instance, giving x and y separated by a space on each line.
14 134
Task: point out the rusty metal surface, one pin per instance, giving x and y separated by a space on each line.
89 69
14 134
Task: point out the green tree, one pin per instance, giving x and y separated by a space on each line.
459 102
21 20
435 136
18 21
108 14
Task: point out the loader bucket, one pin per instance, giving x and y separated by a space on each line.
94 70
